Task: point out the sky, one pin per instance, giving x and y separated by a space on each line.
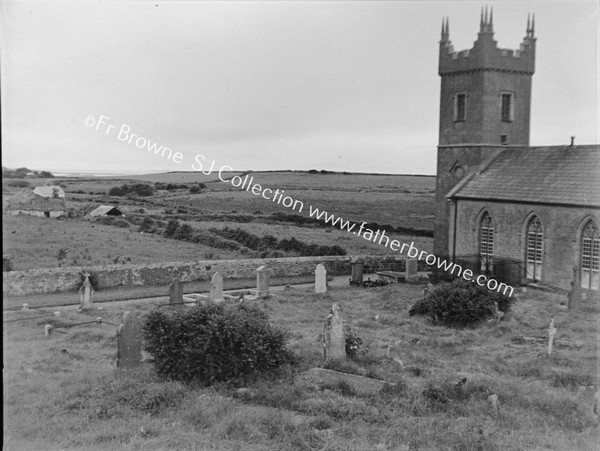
341 86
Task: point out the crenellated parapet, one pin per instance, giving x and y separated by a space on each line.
485 54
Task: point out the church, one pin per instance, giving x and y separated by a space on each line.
518 213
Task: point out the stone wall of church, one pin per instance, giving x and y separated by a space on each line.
562 234
453 164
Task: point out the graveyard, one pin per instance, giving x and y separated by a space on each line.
80 378
78 375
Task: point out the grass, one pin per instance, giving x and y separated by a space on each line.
65 392
37 242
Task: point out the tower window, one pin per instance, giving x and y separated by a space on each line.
504 140
507 109
460 107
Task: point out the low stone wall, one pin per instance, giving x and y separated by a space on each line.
55 280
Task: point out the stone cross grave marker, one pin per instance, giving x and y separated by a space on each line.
357 271
320 279
86 294
551 333
216 287
262 281
129 343
176 292
334 337
411 269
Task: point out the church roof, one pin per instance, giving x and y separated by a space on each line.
567 175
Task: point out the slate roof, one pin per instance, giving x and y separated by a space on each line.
551 174
106 209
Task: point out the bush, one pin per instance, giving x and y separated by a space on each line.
421 307
118 191
462 303
18 183
212 343
268 243
139 189
104 220
143 190
120 223
174 186
184 233
194 189
146 225
171 228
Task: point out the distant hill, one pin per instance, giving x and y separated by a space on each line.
21 173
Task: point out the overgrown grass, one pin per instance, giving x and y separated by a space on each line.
65 392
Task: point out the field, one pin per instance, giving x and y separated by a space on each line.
38 243
64 392
392 200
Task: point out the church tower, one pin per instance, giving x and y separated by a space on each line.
485 105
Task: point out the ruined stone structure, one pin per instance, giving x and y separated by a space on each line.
505 208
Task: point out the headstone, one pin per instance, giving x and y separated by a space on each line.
216 287
47 329
357 270
575 293
411 272
551 334
334 337
129 343
175 292
86 294
320 279
494 404
262 281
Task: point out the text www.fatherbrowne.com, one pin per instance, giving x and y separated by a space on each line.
379 237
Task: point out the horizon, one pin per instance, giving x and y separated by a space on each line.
342 86
69 173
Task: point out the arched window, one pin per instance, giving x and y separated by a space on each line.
535 242
590 256
486 243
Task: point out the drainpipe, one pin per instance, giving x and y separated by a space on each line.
455 204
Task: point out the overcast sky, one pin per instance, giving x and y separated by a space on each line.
345 86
